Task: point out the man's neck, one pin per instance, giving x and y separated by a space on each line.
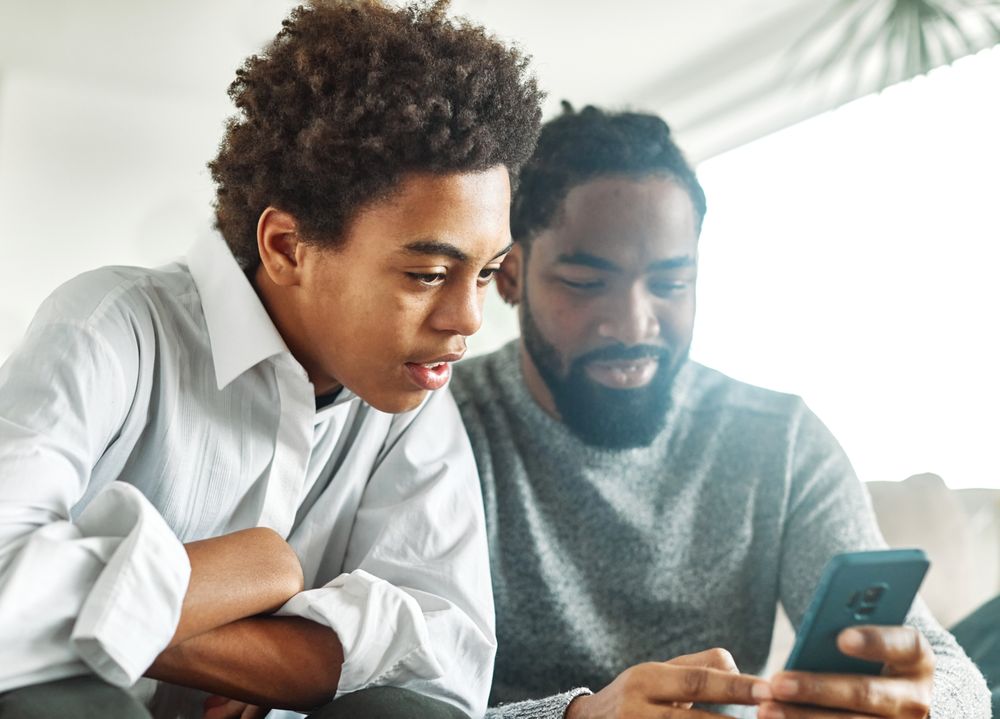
537 388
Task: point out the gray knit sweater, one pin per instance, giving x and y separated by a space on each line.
604 559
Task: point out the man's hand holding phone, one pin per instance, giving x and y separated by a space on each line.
669 689
902 690
852 656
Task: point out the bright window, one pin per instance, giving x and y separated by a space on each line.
854 259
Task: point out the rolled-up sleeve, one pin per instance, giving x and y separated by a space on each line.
415 609
102 592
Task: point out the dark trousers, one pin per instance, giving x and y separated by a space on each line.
387 703
87 697
83 697
979 635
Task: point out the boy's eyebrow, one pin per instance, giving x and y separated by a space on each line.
504 251
436 247
446 249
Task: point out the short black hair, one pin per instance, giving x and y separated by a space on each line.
351 96
580 146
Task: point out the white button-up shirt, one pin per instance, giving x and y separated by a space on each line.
147 408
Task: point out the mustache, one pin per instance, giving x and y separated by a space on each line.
621 353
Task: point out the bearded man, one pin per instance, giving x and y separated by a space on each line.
641 507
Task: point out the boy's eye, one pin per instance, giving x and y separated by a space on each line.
431 279
487 274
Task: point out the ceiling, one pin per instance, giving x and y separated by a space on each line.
711 68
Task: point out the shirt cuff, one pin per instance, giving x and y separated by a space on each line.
133 608
381 629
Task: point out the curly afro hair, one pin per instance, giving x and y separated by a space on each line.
580 146
352 95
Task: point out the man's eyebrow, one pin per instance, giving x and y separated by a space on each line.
672 263
587 260
446 249
599 263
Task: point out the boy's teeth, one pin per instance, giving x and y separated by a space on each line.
432 365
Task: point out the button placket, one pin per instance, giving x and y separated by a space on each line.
293 445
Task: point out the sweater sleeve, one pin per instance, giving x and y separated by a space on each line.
553 707
829 512
960 690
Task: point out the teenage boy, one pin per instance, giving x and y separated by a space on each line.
234 473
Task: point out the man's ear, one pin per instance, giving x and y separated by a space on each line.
509 280
279 246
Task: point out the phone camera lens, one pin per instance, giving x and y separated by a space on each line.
873 594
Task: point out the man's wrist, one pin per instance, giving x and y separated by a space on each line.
571 697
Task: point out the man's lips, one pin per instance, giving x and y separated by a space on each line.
623 374
433 374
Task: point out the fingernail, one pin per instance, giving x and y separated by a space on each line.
761 692
785 686
852 639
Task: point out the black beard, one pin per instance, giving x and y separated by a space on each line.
601 416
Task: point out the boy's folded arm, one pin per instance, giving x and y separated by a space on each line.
105 591
238 575
278 662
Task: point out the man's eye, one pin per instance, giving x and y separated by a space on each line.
582 285
432 279
668 287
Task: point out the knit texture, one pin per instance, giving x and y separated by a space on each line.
602 559
544 708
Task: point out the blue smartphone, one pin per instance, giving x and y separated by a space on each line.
856 588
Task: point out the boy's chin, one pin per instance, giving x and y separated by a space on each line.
397 402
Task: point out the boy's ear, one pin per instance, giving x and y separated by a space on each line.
279 245
509 280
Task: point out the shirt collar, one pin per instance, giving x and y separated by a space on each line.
240 331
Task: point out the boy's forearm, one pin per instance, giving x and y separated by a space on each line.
280 662
238 575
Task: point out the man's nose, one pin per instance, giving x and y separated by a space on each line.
630 320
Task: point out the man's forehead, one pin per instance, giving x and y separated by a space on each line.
644 220
648 193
